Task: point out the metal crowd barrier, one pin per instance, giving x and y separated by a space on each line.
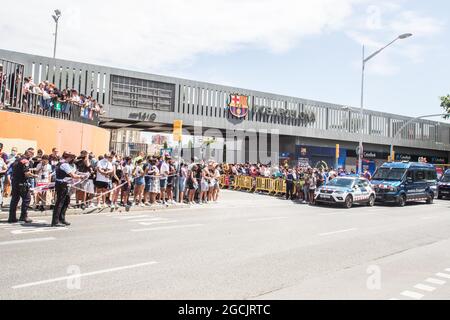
272 186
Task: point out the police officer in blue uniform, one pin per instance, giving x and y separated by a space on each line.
20 187
65 172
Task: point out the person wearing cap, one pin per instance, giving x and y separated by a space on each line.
65 170
20 187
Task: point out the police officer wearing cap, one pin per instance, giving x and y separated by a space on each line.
20 187
65 171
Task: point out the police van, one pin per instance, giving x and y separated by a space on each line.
444 185
402 182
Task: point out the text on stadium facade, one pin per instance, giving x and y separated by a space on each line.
303 116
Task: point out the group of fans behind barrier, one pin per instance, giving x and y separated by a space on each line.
113 180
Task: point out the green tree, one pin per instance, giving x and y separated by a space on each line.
165 145
445 104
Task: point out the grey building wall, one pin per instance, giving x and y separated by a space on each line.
196 101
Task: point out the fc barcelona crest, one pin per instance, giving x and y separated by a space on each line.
238 105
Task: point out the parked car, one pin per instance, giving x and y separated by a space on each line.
346 191
402 182
444 185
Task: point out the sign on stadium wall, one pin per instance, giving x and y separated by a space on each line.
238 105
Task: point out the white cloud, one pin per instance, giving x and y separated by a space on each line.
382 22
420 26
152 34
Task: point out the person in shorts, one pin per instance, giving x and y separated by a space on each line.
43 172
164 170
103 179
139 183
182 179
127 176
155 188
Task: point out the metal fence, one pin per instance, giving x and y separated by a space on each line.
14 98
55 108
11 84
128 149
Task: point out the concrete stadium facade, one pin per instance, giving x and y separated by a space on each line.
307 129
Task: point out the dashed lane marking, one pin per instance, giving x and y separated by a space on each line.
412 294
37 230
443 275
267 219
424 287
14 242
168 228
37 283
157 222
132 217
435 281
336 232
148 220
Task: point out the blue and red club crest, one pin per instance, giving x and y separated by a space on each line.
238 105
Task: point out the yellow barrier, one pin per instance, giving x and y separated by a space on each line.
259 184
280 186
247 183
265 185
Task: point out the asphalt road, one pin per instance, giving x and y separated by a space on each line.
247 246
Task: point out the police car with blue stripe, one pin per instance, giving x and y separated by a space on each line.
346 191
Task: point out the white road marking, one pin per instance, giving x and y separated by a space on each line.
32 284
132 217
336 232
443 275
148 220
6 243
37 230
412 294
267 219
168 228
435 281
157 222
424 287
428 218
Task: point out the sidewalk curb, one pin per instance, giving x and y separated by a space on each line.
92 211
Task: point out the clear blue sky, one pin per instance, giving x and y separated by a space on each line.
309 49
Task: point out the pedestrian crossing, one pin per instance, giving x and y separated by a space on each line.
37 227
147 222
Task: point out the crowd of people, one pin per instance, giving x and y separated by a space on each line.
106 181
53 99
301 182
113 180
45 97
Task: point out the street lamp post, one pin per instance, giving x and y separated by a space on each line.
56 17
361 115
391 156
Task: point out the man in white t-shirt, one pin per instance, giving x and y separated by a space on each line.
103 180
164 172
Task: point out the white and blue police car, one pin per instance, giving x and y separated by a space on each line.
346 191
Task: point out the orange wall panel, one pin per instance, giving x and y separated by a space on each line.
18 129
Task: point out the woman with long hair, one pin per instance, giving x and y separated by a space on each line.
139 183
116 180
192 184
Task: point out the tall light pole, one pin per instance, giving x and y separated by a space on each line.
361 115
399 132
56 17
